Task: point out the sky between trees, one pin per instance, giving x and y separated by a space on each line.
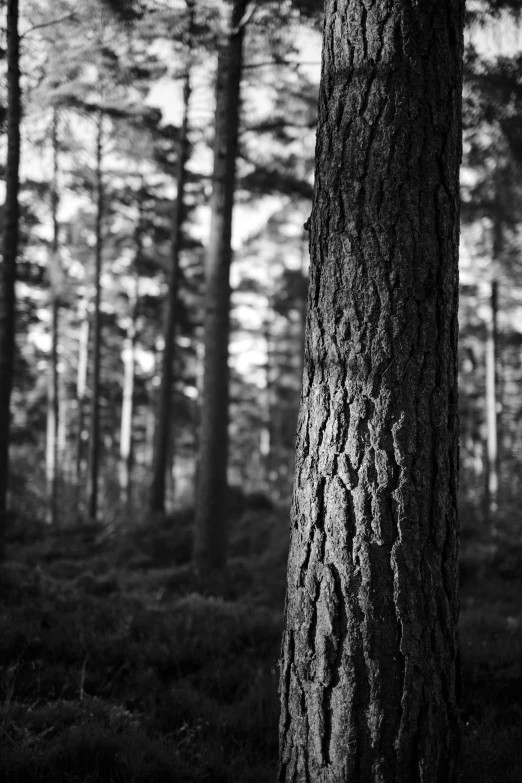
140 67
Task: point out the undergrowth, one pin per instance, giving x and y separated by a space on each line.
116 664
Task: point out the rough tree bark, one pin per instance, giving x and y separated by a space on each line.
210 532
302 301
51 453
10 252
94 435
369 670
162 430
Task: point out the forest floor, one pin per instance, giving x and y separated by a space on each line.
114 666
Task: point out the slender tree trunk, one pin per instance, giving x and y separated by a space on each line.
126 417
491 403
369 671
149 432
65 474
51 453
94 440
211 534
81 389
129 359
51 461
171 480
162 432
267 442
127 407
10 252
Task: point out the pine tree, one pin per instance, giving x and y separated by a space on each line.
129 363
162 435
491 402
369 672
81 392
94 435
211 496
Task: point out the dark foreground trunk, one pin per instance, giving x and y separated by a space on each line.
211 536
10 252
369 671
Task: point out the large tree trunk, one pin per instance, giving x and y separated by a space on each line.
51 454
162 431
369 672
491 403
10 252
211 536
94 439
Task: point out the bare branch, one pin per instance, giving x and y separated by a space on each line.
48 24
296 63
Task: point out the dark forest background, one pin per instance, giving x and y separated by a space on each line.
122 658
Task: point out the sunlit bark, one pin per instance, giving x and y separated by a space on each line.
370 657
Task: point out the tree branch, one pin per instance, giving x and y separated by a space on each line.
265 63
48 24
247 17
